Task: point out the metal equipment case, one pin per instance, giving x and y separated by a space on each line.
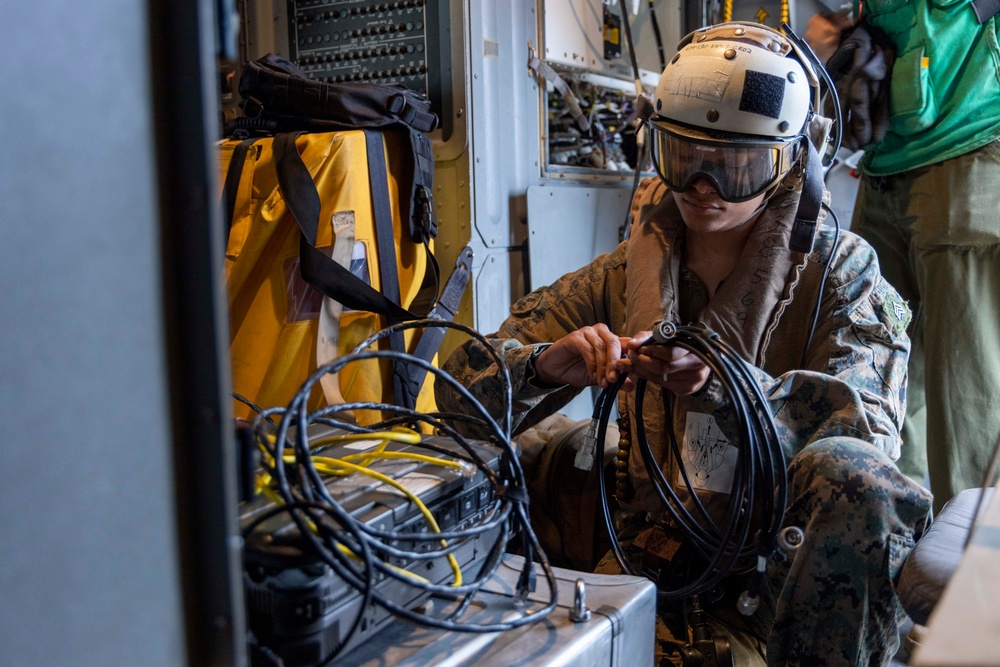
620 631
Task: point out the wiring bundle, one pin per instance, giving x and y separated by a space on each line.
750 528
356 524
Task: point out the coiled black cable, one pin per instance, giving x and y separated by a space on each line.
759 492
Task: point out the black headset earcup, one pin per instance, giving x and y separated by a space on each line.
804 226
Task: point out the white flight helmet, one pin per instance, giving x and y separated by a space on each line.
732 107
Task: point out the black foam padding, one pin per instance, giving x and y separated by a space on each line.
763 94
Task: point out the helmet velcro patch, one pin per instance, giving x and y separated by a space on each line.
763 94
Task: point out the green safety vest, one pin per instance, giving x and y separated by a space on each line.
945 87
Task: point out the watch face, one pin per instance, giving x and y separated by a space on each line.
530 375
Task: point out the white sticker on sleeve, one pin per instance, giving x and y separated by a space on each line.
708 458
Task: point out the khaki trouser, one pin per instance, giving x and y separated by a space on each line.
937 234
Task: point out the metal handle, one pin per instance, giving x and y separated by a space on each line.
579 613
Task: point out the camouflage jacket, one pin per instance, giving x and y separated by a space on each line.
853 379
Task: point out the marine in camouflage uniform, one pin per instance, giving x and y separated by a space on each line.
837 393
838 416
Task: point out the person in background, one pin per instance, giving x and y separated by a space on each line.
714 242
928 204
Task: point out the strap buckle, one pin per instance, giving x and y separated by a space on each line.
423 213
252 107
396 104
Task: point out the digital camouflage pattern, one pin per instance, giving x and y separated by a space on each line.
838 418
847 496
834 601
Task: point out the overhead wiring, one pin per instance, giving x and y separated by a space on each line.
627 25
642 155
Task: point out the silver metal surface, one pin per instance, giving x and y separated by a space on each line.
620 633
570 226
790 538
496 286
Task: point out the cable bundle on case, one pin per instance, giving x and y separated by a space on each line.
358 552
759 493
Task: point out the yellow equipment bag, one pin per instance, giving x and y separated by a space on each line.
281 327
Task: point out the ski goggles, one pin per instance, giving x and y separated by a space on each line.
738 169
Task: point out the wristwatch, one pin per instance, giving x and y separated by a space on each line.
530 373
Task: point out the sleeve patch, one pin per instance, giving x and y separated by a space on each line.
896 312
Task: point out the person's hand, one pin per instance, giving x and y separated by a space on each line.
823 33
669 366
586 357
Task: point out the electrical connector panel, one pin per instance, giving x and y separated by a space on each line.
609 144
618 629
584 42
402 42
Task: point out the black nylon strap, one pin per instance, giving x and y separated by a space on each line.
417 119
297 185
447 306
804 227
279 86
985 9
318 270
445 310
385 240
385 235
232 186
422 224
427 295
